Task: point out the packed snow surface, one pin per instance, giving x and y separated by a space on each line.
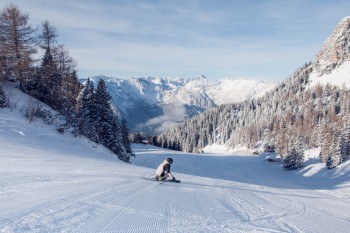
53 182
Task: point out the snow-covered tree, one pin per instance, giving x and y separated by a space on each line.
119 146
314 113
295 156
125 137
340 148
103 113
97 121
346 145
107 124
335 152
2 97
86 125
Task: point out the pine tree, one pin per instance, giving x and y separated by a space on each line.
295 155
103 115
49 85
108 127
56 86
335 152
118 146
137 138
86 124
3 56
50 82
346 145
70 89
125 137
340 147
2 97
327 137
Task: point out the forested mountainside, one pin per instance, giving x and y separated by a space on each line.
155 104
295 115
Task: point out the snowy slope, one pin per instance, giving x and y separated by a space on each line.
154 104
53 182
221 91
339 76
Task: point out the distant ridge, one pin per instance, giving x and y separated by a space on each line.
154 104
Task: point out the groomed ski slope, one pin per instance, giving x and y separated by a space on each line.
58 183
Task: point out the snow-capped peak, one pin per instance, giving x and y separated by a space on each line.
336 49
332 63
156 103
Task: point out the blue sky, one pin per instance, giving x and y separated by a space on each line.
184 38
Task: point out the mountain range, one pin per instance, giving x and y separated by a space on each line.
155 104
309 109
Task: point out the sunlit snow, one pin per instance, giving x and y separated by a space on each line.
53 182
339 76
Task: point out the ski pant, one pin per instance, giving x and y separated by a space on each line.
164 175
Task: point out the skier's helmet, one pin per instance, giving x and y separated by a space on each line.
170 160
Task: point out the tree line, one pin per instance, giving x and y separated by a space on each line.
288 119
52 79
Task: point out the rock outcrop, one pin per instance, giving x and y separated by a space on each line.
336 49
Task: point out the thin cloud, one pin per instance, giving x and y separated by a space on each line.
261 39
172 116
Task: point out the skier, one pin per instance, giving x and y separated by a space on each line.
163 170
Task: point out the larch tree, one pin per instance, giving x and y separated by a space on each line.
18 44
70 89
48 36
57 86
2 56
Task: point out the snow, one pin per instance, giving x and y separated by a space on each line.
53 182
154 104
338 77
224 150
235 90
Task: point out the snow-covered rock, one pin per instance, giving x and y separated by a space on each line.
336 49
332 63
339 76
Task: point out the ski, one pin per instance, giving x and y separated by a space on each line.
162 181
173 181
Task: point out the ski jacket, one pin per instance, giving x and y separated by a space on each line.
164 167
